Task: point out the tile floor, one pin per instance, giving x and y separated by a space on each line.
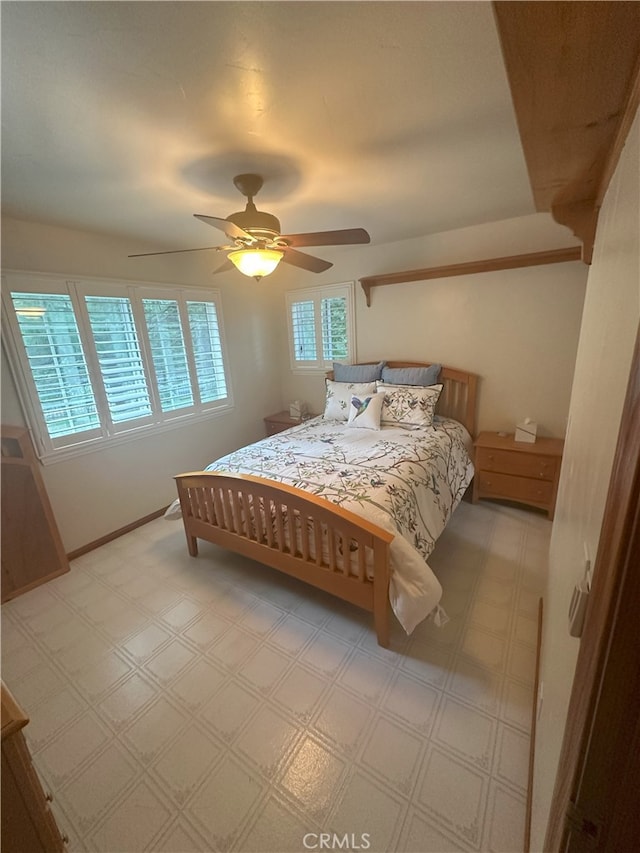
208 704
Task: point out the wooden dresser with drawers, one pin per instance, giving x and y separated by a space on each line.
518 471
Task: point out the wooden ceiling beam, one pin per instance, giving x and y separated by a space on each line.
573 71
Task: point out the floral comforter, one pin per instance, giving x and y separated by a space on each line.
406 481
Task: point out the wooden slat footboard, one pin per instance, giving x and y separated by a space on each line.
293 531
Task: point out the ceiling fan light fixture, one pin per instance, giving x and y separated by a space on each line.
256 263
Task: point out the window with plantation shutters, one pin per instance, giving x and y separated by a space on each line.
320 326
96 361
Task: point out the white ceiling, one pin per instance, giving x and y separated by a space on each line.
127 118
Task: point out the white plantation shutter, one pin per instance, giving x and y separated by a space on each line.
335 342
118 351
320 326
56 358
303 325
207 349
169 353
96 361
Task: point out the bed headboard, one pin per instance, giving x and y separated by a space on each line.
459 393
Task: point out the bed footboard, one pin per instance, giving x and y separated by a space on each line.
293 531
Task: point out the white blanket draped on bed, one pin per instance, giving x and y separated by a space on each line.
406 481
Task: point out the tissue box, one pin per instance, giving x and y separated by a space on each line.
298 410
526 431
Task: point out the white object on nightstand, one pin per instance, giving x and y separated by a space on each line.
526 431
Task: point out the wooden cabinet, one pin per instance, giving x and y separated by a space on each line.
281 421
32 551
28 825
517 471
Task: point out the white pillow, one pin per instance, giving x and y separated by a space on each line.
339 396
408 406
364 412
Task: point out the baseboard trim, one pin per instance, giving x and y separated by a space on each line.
109 537
532 742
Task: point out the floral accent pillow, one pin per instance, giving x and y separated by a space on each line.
408 406
364 412
339 396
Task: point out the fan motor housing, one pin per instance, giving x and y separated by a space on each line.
256 221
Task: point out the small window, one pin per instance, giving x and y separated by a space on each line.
95 360
320 323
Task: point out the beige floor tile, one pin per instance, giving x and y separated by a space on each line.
154 728
67 752
100 677
214 704
143 644
512 758
92 793
48 718
453 794
312 777
326 654
299 692
264 669
367 811
181 767
228 710
343 720
197 684
505 824
466 732
126 700
393 754
421 836
132 826
170 661
277 829
413 702
367 676
225 803
267 741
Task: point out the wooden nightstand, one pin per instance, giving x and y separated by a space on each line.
281 421
517 471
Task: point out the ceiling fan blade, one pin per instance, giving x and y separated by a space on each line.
178 251
343 237
304 261
224 267
230 228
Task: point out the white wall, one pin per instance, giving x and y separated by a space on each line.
97 493
609 327
518 329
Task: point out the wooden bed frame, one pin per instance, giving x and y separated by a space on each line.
308 537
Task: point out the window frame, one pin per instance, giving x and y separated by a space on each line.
316 295
108 433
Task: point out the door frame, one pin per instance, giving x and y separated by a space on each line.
595 801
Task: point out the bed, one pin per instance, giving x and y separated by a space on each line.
344 509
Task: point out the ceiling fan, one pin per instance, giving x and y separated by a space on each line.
258 246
